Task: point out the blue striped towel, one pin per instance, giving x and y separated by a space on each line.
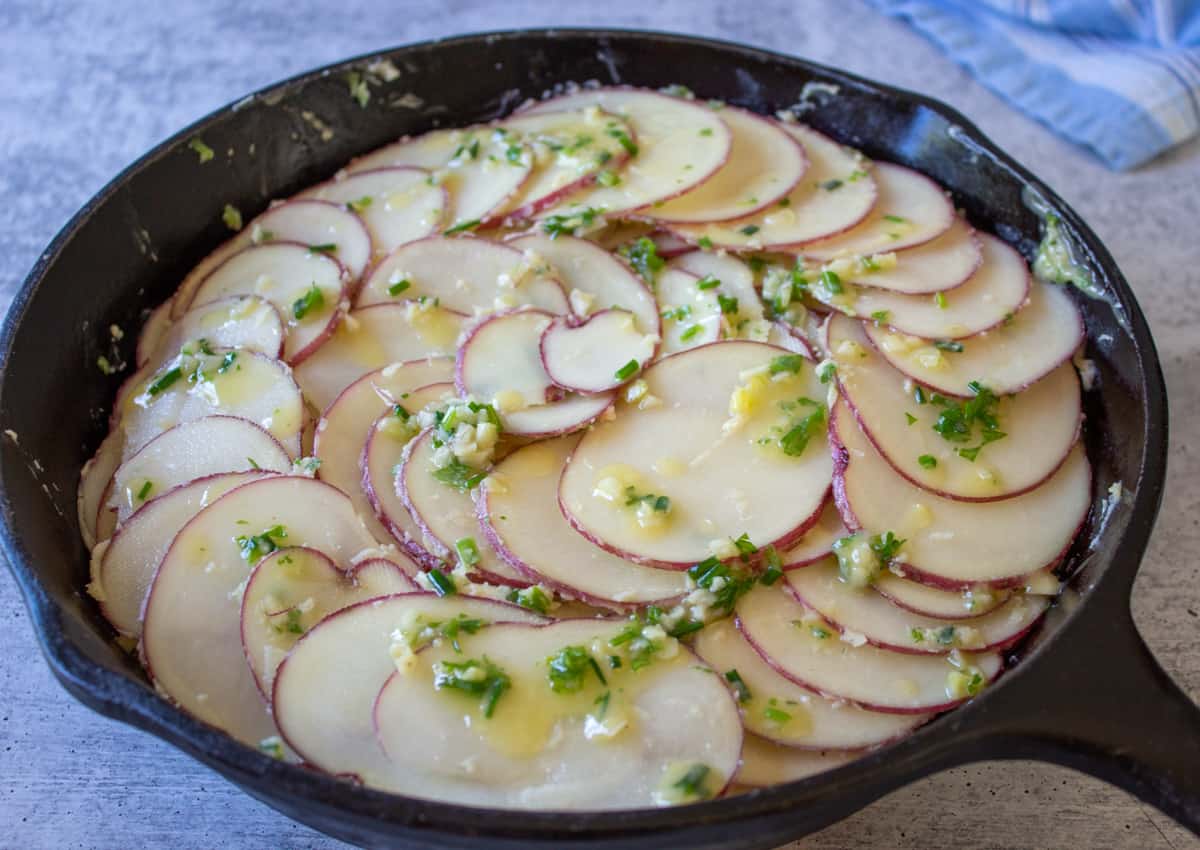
1121 77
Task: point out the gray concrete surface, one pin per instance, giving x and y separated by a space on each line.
85 87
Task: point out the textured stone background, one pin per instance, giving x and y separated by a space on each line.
85 87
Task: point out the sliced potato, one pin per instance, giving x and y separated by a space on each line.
765 764
939 265
951 543
818 541
518 511
598 354
1040 337
500 361
93 484
691 313
781 631
936 602
398 205
716 425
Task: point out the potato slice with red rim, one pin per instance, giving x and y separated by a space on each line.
1024 348
835 193
717 426
984 302
373 337
293 589
195 599
518 512
598 354
781 711
307 287
910 209
765 763
678 146
867 614
196 449
464 274
93 484
500 358
397 205
123 567
1040 425
935 602
951 543
690 309
788 336
252 386
782 631
764 165
543 749
376 463
480 167
939 265
593 278
570 149
737 296
446 515
153 330
346 659
817 542
564 416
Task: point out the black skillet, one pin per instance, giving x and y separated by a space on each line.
1086 692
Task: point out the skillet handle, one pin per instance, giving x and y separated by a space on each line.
1102 704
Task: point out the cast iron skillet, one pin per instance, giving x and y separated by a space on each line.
1086 694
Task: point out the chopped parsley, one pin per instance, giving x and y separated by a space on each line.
880 317
311 300
927 461
734 678
796 439
958 420
474 678
608 179
693 782
459 475
254 547
359 205
568 668
827 373
774 566
791 363
729 304
832 282
705 243
908 416
661 504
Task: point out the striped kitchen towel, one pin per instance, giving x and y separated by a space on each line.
1121 77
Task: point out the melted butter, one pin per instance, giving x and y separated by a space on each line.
359 345
540 460
436 327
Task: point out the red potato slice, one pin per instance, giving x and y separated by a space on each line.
737 281
811 211
764 165
196 449
501 357
935 602
996 291
1041 425
445 514
191 635
518 512
158 322
539 750
293 589
93 484
669 244
373 337
255 387
466 274
472 164
817 543
397 205
375 468
1022 350
584 267
565 416
691 315
347 659
594 356
679 145
777 627
787 336
689 448
871 615
805 720
765 764
909 210
952 543
285 273
123 569
939 265
561 165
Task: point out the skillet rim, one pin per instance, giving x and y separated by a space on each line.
116 695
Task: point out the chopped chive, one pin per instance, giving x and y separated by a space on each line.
145 491
791 363
707 282
705 243
911 419
776 716
948 345
830 185
896 219
359 204
627 371
311 300
443 585
164 381
819 632
939 298
749 230
880 317
728 304
203 151
927 461
689 334
774 566
734 678
707 131
232 217
398 287
692 782
832 281
323 248
253 463
626 142
468 552
462 227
